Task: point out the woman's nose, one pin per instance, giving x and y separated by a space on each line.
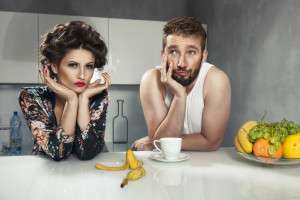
81 74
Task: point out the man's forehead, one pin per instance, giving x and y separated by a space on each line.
183 40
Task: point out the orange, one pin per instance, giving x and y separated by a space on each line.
260 148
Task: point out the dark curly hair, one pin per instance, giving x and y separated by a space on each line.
185 26
73 35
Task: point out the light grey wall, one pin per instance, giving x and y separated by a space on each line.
159 10
257 44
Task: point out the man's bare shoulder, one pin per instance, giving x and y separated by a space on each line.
216 80
216 76
151 75
151 79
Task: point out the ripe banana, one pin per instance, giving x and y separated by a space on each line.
125 166
133 162
134 175
130 161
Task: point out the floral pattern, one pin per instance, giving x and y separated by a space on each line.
37 104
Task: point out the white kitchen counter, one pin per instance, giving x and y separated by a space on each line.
222 174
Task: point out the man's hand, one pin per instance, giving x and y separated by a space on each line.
167 80
143 144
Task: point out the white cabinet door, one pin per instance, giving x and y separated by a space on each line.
19 47
47 23
134 47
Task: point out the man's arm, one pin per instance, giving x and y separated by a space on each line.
160 121
217 101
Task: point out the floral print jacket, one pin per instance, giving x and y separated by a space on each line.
37 104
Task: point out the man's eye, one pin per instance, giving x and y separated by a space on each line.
173 52
192 52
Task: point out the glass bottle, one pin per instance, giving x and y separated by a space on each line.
120 126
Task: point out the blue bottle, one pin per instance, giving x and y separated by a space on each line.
15 135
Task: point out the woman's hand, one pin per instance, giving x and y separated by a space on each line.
95 88
57 88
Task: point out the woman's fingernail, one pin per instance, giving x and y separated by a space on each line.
44 66
39 71
46 71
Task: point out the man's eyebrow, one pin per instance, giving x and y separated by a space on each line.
173 46
193 47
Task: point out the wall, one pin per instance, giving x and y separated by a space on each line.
129 9
257 44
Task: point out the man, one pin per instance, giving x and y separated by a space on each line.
185 97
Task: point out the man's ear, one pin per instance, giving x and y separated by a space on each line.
204 56
54 68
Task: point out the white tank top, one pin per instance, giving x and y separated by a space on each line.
194 103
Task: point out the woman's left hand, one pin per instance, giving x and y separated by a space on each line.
95 88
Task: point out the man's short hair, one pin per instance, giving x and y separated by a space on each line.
186 26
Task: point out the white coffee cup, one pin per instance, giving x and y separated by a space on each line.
170 147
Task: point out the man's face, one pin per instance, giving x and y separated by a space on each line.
186 55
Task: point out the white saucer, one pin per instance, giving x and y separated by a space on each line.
160 157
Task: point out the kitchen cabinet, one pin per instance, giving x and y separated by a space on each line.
47 23
134 47
19 47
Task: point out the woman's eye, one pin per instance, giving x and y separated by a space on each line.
90 66
73 65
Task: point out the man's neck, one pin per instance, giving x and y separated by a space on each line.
191 86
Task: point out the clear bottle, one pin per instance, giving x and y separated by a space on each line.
120 126
15 135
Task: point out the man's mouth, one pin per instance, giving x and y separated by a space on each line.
79 84
182 73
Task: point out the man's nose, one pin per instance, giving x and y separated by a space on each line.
181 62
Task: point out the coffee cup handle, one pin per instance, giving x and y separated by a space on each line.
156 146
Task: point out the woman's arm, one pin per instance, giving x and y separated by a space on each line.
39 115
90 140
91 119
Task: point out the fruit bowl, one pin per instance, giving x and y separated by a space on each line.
272 161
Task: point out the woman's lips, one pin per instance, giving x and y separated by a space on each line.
79 84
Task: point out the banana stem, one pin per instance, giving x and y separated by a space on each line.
124 182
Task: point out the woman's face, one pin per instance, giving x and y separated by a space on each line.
76 69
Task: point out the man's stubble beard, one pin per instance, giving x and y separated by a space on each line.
187 81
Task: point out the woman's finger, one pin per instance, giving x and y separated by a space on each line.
95 83
42 75
108 80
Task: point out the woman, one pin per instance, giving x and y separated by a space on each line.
68 114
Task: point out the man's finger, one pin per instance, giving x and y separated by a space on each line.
164 66
169 73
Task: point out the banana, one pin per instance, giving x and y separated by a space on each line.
243 136
125 166
133 162
134 175
130 161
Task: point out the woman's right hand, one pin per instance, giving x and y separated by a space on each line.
57 88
